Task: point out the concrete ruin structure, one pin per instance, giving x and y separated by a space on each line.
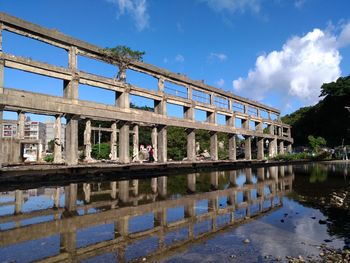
255 118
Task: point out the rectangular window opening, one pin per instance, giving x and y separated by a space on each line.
141 80
175 90
96 94
141 103
97 67
200 96
174 110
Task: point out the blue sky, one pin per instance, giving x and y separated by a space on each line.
278 52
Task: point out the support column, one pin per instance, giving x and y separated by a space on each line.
87 141
248 148
72 140
232 147
214 146
20 129
57 156
162 144
135 143
273 148
260 146
154 139
114 145
289 148
124 142
281 147
191 145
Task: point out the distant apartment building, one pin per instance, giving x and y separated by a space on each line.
9 129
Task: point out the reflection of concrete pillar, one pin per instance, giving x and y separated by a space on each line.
124 142
261 174
154 137
247 198
56 198
232 147
135 143
162 186
191 182
20 129
214 180
191 144
113 190
18 201
290 169
190 212
281 171
121 228
214 146
213 204
160 217
123 191
68 242
57 156
281 147
248 175
135 187
87 192
87 140
154 184
72 140
114 145
273 173
260 147
70 197
233 177
162 144
247 148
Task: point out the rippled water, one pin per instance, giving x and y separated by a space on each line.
202 217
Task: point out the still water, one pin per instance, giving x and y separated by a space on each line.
249 215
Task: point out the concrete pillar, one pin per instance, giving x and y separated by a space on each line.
247 148
72 140
18 201
191 145
214 146
124 142
189 113
289 148
57 140
232 147
114 145
214 180
271 129
122 99
2 62
135 143
191 182
162 186
123 191
154 139
273 148
160 107
20 129
260 147
114 189
281 147
70 88
87 141
162 144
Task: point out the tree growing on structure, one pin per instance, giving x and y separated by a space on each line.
122 56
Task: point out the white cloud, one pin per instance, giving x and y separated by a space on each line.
220 83
217 56
234 6
137 9
296 72
299 3
344 37
179 58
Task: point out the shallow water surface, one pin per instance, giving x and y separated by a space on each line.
249 215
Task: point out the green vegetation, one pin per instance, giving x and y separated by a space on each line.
316 143
51 145
101 151
49 158
302 156
328 118
122 56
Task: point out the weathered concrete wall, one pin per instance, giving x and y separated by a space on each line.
10 151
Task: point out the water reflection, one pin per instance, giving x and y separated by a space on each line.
130 219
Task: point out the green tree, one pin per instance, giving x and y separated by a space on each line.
101 151
316 143
122 56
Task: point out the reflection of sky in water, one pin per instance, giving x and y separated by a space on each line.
175 214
